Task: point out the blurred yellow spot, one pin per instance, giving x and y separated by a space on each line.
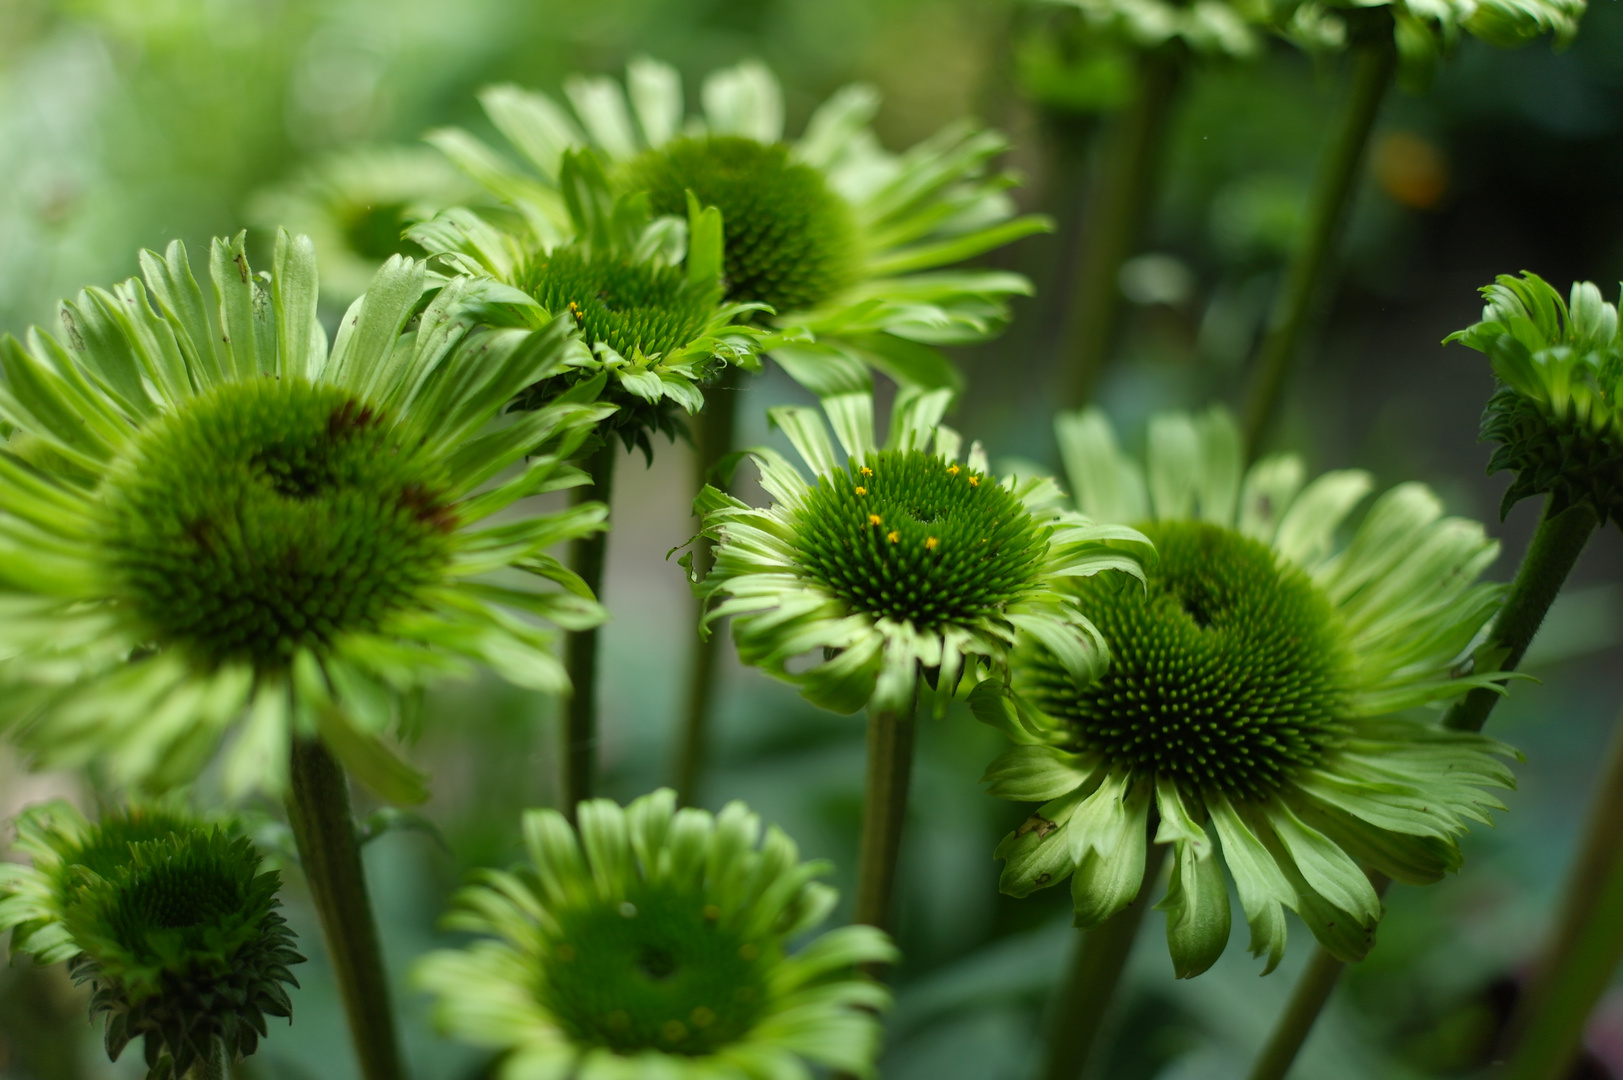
1411 170
866 471
748 951
564 953
873 519
893 536
702 1017
712 912
862 491
952 470
930 543
674 1030
618 1020
974 481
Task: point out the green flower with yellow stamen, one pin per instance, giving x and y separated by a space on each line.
898 558
214 525
655 942
1263 697
844 241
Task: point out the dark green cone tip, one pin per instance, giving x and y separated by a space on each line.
790 240
912 538
183 946
1225 672
270 516
658 971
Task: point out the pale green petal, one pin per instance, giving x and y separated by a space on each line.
744 100
1107 836
852 418
1037 773
1325 867
914 417
1269 488
1263 887
1108 485
1197 909
805 430
1173 466
655 90
1221 465
1308 528
601 106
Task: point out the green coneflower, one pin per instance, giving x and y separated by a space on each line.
655 942
226 528
844 241
1230 28
355 204
183 947
1258 699
898 558
1556 414
644 293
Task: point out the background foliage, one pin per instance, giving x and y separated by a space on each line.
127 123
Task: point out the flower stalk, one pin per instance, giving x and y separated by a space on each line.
1560 538
1096 969
1114 218
586 558
891 734
1375 63
324 829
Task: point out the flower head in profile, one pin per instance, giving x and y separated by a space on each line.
898 559
213 525
183 947
1260 699
655 942
1556 415
843 241
645 295
1218 28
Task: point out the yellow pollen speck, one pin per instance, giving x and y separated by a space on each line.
866 471
893 536
974 481
930 543
952 470
712 912
862 491
748 951
564 953
702 1017
873 519
673 1030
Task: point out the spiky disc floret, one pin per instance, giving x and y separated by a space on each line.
1226 671
789 238
655 939
1557 414
914 538
1261 698
183 946
637 308
272 516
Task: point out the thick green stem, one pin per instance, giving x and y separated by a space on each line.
1550 558
713 440
1308 998
214 1067
1374 63
330 852
586 557
1547 1029
1115 216
1096 969
884 809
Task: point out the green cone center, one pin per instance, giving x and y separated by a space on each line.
913 538
789 237
661 970
269 516
629 305
1226 671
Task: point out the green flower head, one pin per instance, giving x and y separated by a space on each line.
1258 700
1217 28
655 942
183 946
898 559
214 525
1556 415
843 241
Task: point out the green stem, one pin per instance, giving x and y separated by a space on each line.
1547 1029
1549 559
1115 216
1374 63
713 440
1307 1000
586 557
330 852
1096 969
214 1067
884 809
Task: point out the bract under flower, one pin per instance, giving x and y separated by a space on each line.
1260 698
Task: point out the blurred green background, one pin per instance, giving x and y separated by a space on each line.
128 123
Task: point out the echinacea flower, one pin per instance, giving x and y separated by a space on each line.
898 559
656 942
843 240
1261 699
1556 414
213 525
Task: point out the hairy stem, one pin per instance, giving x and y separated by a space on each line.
216 1066
1374 63
1096 969
586 557
712 441
330 852
1549 559
1308 998
884 809
1115 216
1547 1029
